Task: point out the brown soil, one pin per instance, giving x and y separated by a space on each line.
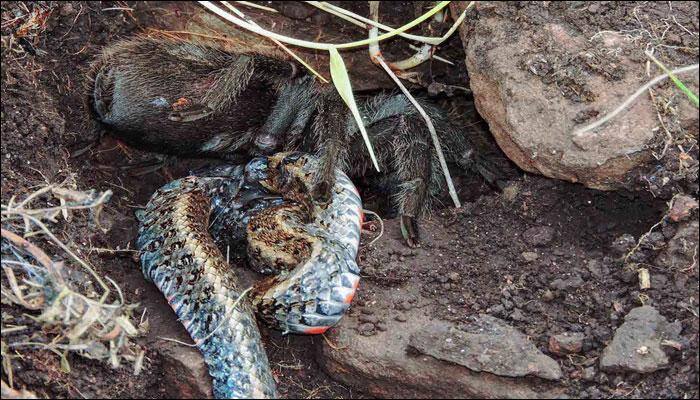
44 120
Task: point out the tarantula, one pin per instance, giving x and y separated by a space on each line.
178 98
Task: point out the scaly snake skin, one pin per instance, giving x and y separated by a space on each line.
312 247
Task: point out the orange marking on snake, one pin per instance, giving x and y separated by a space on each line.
349 297
316 330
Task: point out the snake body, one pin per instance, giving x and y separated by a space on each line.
310 246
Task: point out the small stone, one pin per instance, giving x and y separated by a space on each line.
517 315
381 326
595 268
623 244
563 284
588 374
637 344
400 318
507 304
539 235
368 318
529 256
189 377
367 329
454 277
682 207
627 275
547 295
496 310
566 343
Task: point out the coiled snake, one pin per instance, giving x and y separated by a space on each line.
310 246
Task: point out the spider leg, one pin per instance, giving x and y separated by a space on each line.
230 82
332 141
415 169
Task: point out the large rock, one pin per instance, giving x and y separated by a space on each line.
487 344
390 345
429 358
637 344
541 71
186 375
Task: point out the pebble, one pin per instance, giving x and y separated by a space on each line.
588 374
623 244
517 315
368 318
367 329
496 310
529 256
507 304
404 306
539 235
454 277
563 284
547 295
566 343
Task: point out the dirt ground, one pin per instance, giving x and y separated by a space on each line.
44 121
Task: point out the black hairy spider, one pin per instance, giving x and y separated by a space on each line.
178 98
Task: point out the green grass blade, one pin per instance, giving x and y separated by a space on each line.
692 96
341 80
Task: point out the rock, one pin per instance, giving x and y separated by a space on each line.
623 244
187 375
366 329
681 250
682 207
595 268
369 318
566 343
454 277
488 344
539 235
654 240
396 362
563 284
498 309
529 256
627 275
507 303
537 81
517 315
637 343
428 358
588 374
547 295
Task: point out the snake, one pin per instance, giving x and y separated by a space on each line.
307 248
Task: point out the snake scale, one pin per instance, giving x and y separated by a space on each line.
309 247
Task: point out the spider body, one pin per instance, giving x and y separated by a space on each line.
191 100
179 98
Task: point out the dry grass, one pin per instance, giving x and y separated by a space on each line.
50 302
